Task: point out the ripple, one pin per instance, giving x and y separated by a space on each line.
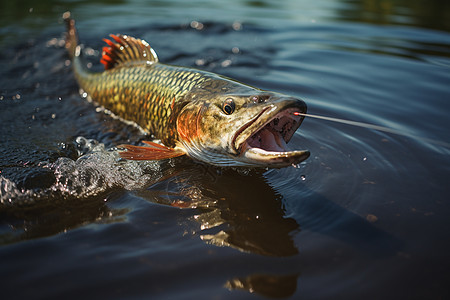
337 182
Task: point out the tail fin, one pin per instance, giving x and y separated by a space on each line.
71 36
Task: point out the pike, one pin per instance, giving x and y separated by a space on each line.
208 117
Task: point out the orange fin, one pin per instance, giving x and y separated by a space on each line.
123 48
154 152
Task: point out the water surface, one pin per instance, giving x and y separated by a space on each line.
365 216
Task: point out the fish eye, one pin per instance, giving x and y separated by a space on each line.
228 106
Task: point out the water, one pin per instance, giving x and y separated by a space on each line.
365 216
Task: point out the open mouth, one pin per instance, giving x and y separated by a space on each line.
274 136
266 143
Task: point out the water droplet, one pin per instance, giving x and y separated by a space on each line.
200 62
226 63
197 25
237 26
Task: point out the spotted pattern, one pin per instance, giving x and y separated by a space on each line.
148 93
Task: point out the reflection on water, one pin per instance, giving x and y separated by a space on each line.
233 210
237 211
274 286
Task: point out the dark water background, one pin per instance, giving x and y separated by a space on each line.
366 216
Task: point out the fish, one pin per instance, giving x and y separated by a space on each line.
208 117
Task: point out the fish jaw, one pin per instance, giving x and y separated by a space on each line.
262 141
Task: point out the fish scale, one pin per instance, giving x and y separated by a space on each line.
144 94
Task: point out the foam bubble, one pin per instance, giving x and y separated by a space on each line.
95 171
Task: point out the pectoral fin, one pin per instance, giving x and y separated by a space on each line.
153 152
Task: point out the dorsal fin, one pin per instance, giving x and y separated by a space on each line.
125 49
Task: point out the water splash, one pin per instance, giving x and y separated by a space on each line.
96 170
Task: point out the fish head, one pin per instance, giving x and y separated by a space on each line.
242 129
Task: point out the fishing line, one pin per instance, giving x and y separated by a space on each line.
375 127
